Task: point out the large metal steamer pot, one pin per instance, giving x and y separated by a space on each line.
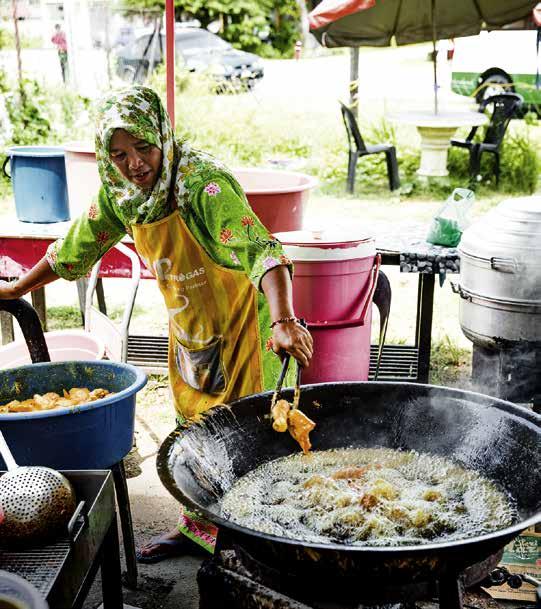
91 436
495 438
500 275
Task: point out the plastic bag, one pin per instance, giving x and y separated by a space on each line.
451 219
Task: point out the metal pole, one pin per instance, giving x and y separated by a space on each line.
434 56
354 81
170 58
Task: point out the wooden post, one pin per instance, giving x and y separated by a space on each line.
6 327
38 302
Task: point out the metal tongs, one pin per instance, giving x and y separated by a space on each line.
283 372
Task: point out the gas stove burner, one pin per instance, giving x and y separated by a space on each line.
233 578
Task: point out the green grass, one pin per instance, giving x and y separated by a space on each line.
66 317
450 364
63 318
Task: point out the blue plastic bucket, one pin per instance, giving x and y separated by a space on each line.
38 177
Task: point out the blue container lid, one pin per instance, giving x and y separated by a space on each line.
36 151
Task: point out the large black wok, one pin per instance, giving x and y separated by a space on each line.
496 438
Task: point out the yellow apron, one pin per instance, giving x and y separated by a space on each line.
214 353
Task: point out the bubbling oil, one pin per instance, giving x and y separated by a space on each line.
372 497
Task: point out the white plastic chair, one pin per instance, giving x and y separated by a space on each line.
115 339
113 335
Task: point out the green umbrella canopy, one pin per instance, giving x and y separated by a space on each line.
409 21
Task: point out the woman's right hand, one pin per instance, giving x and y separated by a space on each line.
8 290
38 276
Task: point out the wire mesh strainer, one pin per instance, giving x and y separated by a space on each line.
37 502
20 593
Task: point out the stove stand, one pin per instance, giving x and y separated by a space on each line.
233 579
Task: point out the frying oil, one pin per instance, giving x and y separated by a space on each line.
372 496
11 603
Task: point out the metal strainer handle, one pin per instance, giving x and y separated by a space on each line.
6 454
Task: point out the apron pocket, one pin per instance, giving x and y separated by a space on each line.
202 368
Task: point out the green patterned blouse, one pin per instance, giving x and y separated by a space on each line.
209 198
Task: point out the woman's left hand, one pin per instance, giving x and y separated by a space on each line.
292 338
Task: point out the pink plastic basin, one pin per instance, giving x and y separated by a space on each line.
333 285
82 176
63 345
278 198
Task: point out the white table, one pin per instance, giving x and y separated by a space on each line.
436 131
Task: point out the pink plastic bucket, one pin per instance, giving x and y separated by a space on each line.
333 285
278 198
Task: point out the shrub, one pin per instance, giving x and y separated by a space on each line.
520 163
30 124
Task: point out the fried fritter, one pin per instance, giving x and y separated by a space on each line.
279 414
49 401
300 426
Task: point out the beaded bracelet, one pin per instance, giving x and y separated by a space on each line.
283 320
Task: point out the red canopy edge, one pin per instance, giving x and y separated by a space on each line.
329 11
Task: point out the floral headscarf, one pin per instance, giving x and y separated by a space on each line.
139 111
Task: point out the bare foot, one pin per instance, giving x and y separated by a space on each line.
169 544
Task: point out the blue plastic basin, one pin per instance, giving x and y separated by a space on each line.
38 176
93 436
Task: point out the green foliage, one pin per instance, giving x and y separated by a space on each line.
35 111
382 131
520 163
4 38
286 32
531 118
25 108
244 22
7 40
71 105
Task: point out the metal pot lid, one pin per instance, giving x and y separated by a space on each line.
321 245
511 230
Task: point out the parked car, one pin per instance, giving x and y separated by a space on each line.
197 50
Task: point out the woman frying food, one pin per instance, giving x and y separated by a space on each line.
225 281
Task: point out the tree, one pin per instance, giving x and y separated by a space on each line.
243 22
17 45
